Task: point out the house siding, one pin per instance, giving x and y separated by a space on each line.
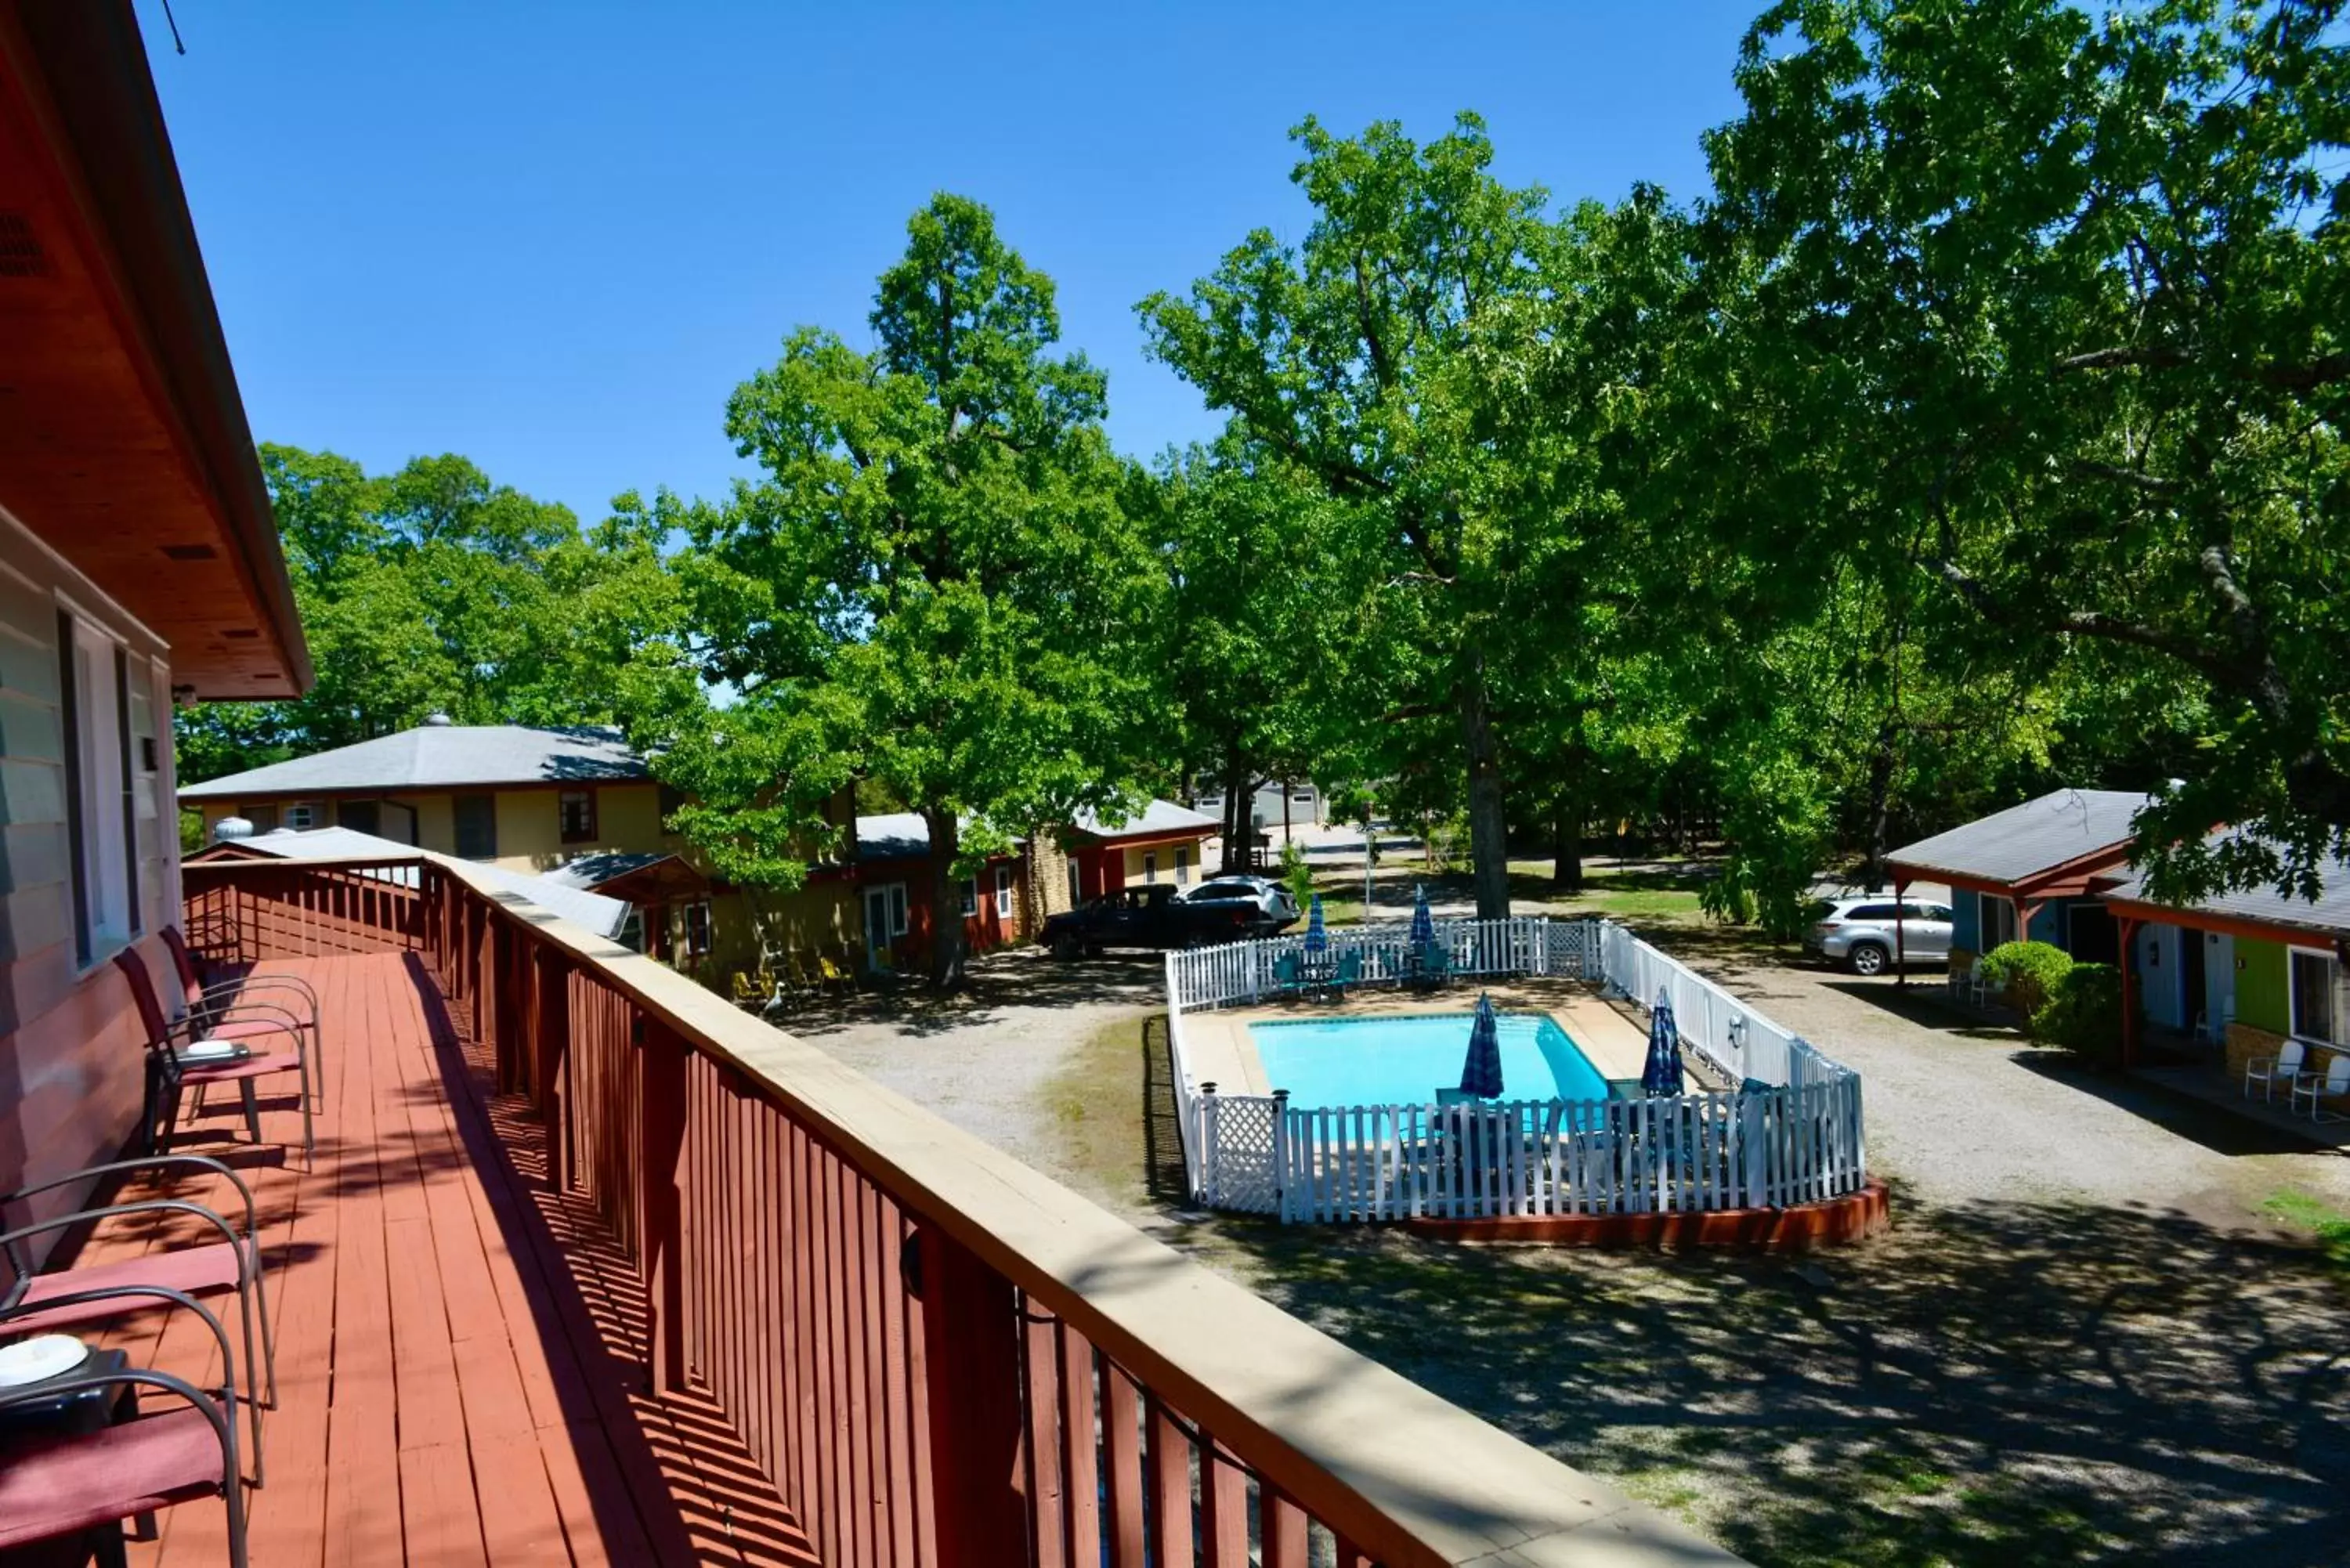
2262 998
1131 867
1966 919
529 829
71 1047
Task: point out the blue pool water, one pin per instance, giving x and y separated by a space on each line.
1404 1061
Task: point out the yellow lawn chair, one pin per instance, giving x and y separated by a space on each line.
753 993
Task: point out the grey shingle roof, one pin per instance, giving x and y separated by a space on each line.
2020 842
595 870
904 836
601 915
2329 914
440 756
1159 816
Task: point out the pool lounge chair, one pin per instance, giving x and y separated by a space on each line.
1432 964
1348 972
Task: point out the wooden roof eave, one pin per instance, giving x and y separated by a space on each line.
2068 879
123 186
2227 925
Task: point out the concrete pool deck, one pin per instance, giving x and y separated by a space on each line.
1217 1039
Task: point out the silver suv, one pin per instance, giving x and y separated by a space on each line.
1276 911
1859 932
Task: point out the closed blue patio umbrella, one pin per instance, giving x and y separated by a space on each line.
1423 923
1661 1077
1317 939
1481 1074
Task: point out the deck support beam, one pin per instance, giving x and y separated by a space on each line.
1900 933
661 1221
970 1358
2129 927
553 1006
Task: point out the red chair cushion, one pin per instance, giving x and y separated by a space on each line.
239 1068
192 1270
57 1486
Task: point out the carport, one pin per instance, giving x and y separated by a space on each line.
2027 872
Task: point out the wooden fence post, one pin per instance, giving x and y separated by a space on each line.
661 1227
971 1359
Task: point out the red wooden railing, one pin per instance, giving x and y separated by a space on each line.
241 911
940 1358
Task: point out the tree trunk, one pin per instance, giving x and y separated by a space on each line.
1566 843
1284 818
1489 844
946 904
1880 804
1238 856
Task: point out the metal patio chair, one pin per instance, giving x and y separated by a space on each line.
176 1058
55 1488
38 1302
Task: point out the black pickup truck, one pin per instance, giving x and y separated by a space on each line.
1145 917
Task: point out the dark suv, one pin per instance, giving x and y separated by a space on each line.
1151 917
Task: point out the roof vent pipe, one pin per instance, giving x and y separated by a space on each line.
437 721
228 829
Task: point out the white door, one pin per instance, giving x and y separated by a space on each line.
2219 986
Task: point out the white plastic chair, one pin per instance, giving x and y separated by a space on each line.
2333 1085
2285 1067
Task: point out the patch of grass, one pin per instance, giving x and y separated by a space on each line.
2300 1211
1098 1103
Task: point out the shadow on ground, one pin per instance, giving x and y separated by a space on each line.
2021 1383
1016 977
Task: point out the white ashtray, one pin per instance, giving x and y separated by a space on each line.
211 1051
42 1357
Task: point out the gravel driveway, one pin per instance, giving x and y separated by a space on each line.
1961 1112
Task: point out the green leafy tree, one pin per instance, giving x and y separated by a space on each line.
2043 312
1256 633
1442 356
934 587
435 589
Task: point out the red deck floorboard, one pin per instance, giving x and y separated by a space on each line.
459 1348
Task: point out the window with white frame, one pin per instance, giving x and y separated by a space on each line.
897 908
300 816
1076 886
1003 892
970 896
102 793
2316 987
1182 866
697 928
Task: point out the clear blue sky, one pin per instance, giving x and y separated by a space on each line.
552 237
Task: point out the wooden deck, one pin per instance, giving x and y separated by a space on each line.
462 1372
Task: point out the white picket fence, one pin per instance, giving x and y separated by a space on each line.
1790 1133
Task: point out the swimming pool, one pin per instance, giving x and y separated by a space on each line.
1404 1061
